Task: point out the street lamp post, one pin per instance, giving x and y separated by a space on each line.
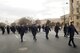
64 19
64 15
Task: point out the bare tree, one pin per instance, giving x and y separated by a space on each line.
24 21
38 22
13 24
2 24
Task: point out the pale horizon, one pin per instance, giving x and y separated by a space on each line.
36 9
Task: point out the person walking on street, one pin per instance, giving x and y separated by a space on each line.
34 31
65 29
21 32
72 30
39 28
13 29
47 29
2 29
8 29
56 29
43 27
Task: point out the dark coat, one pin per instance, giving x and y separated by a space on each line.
34 29
21 30
2 28
18 29
72 30
56 29
13 29
47 29
8 29
65 29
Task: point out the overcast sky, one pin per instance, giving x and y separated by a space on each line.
38 9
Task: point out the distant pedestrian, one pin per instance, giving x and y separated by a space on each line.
65 29
29 27
2 29
21 32
72 30
8 29
39 28
47 29
13 29
43 28
26 28
56 29
34 31
18 29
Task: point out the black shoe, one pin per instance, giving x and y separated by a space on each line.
35 39
57 36
69 44
21 40
47 38
74 46
64 36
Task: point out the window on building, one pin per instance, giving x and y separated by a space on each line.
77 10
78 17
77 23
72 1
77 2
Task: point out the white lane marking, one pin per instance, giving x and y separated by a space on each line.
77 37
22 49
16 36
24 39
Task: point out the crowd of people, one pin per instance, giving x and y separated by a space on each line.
34 29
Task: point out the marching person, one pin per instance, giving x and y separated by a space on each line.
72 30
39 28
65 29
47 29
8 29
43 27
13 29
56 29
21 32
2 29
34 31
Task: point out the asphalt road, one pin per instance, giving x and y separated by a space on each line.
11 43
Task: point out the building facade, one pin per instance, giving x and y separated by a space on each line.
75 13
66 18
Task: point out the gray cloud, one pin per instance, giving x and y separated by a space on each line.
49 11
16 11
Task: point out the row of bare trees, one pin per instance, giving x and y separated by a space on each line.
25 21
21 21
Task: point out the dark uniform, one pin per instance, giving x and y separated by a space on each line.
8 29
34 31
72 30
56 29
26 28
2 29
13 29
65 29
39 28
29 27
21 32
18 29
47 29
43 28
